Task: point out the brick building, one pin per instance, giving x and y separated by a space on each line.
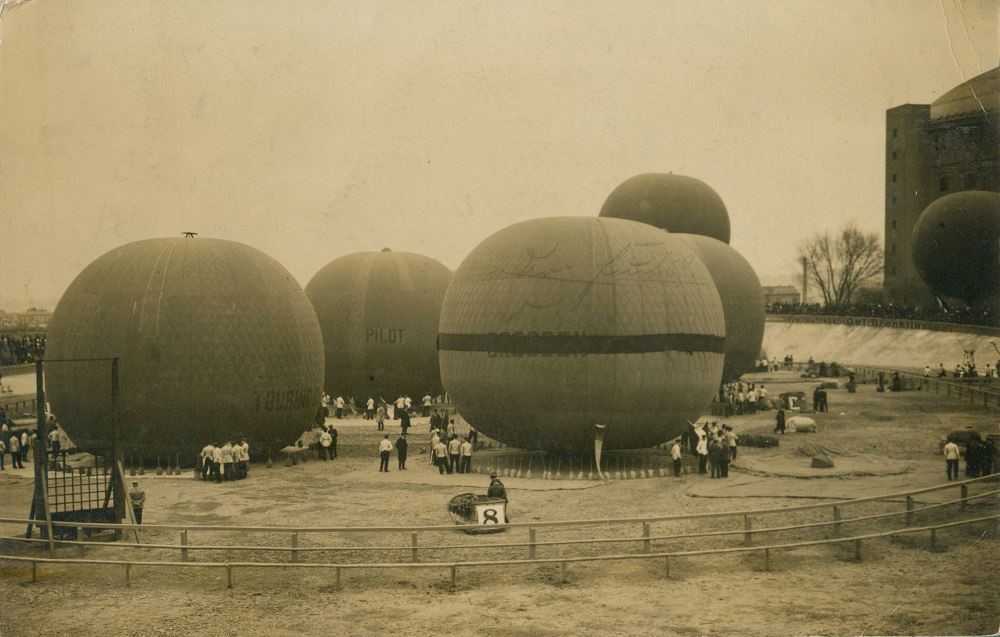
931 150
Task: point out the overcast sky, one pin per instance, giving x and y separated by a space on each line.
313 129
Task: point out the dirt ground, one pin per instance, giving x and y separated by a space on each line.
901 586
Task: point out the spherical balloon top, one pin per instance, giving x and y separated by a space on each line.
956 245
215 340
672 202
553 326
379 315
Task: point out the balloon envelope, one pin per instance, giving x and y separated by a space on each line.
379 315
671 202
956 245
215 340
742 302
553 326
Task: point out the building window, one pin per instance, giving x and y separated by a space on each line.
970 182
943 184
894 179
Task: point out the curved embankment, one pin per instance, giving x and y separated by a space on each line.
878 346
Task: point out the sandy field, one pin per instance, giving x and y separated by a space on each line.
901 585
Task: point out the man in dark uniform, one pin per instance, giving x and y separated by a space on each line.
401 448
780 422
138 498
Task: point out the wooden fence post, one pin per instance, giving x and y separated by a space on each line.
531 543
295 545
229 575
767 560
562 568
79 538
338 578
647 544
184 542
128 574
747 525
666 567
34 571
453 569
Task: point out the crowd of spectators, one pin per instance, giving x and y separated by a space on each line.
17 350
966 316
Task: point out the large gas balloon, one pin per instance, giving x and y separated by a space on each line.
956 245
214 340
553 326
742 302
671 202
379 315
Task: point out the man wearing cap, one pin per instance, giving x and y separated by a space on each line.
138 498
401 450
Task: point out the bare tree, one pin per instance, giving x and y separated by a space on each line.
841 265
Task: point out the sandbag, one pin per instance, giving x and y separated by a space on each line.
800 424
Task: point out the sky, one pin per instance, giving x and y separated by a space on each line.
312 129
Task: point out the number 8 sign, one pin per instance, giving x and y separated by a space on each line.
490 513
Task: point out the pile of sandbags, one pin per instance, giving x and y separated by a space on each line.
746 440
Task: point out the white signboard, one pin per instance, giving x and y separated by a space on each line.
490 513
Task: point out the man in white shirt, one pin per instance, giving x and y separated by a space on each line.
435 439
951 456
702 454
384 449
15 451
427 405
207 452
398 407
244 458
340 407
454 454
675 453
216 462
325 440
466 450
370 409
227 461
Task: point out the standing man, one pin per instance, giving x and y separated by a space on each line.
427 405
398 407
441 457
227 461
216 473
380 417
401 450
206 460
466 465
384 449
675 453
3 452
24 445
730 440
15 451
951 456
333 441
55 441
779 422
244 458
404 421
138 498
340 407
370 409
325 440
702 450
454 454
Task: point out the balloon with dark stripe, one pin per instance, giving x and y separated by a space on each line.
552 326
